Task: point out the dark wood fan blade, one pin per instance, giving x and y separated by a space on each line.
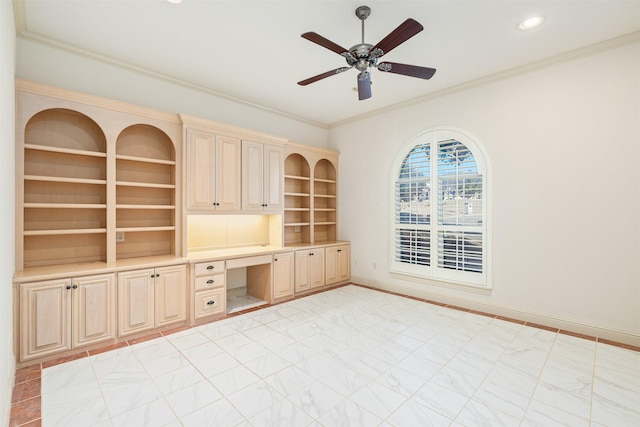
364 85
407 70
404 32
323 76
318 39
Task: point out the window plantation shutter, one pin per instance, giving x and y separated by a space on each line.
413 208
439 229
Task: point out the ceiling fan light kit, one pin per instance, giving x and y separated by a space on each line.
363 56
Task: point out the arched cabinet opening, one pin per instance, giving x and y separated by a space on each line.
64 216
324 201
297 200
145 193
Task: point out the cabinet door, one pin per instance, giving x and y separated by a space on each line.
283 275
135 301
201 179
170 295
228 163
302 272
45 318
252 176
316 268
344 263
331 265
273 178
337 264
94 309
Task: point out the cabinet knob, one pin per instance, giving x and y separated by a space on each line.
210 281
75 286
68 286
210 267
311 254
275 259
211 302
339 250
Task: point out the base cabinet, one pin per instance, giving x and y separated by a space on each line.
309 269
283 275
337 264
209 290
64 314
151 298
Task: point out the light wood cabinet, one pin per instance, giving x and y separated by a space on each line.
310 212
309 269
337 264
151 298
213 171
209 289
96 180
59 315
262 177
283 283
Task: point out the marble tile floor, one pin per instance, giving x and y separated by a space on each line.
351 356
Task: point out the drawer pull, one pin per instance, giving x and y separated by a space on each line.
211 302
210 281
210 267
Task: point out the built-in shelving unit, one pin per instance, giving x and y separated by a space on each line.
310 197
324 201
145 193
297 200
65 187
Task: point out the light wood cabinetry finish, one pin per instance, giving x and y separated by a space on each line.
309 269
283 283
213 171
337 264
151 298
310 213
63 314
262 177
209 288
96 180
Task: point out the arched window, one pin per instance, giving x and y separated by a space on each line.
440 217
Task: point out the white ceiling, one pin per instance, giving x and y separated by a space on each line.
252 50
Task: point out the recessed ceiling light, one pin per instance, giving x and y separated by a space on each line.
530 23
175 1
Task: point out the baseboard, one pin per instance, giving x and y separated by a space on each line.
557 322
6 404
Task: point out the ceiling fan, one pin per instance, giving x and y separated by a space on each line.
364 55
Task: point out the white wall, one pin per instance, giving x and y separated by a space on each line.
52 66
7 193
564 147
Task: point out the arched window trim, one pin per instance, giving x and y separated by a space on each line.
434 274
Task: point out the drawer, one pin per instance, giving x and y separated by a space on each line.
210 303
208 282
207 268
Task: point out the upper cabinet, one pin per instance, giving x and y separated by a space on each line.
213 171
96 180
262 177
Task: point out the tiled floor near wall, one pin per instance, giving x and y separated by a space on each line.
350 356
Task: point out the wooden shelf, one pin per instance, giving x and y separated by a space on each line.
64 206
325 223
301 178
66 232
139 229
144 185
329 181
65 180
326 196
145 160
296 209
61 150
296 224
324 209
297 194
159 207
